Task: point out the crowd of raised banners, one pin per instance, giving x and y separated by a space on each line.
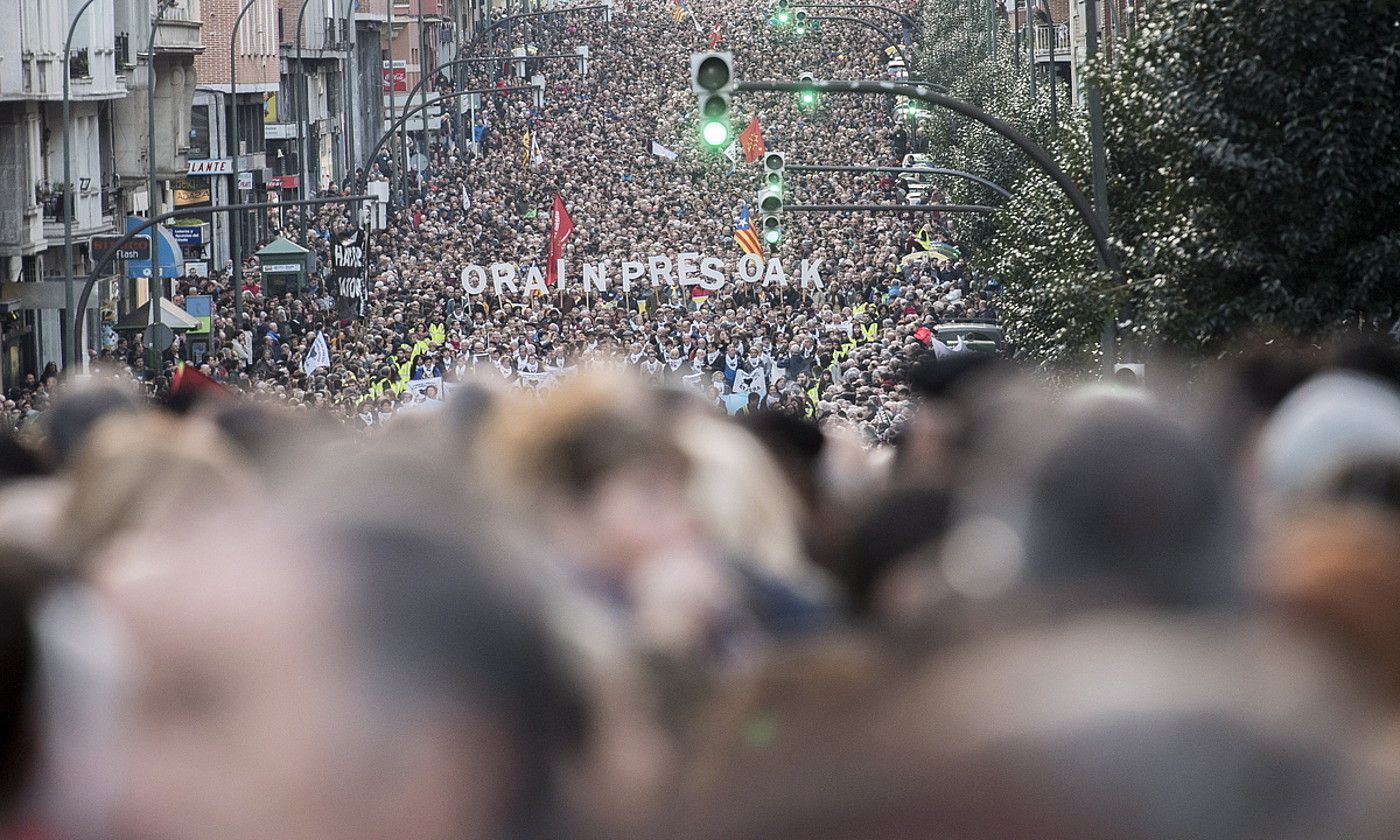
687 269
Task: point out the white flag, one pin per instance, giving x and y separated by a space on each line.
466 199
662 151
732 152
318 356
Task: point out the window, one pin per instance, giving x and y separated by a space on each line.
78 64
199 132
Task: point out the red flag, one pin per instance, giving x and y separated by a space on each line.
715 34
560 227
188 378
751 140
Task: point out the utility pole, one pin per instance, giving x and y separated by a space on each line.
393 83
72 347
422 141
1030 39
1109 339
991 29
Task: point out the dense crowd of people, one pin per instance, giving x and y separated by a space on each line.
517 566
835 354
615 612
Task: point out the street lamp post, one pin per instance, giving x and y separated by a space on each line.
1099 164
393 107
1030 39
349 75
236 234
1054 74
70 347
302 169
153 284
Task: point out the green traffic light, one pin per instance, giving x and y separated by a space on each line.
715 133
784 17
808 98
772 235
800 31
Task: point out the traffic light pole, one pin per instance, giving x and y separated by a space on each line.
931 170
105 261
888 208
1098 231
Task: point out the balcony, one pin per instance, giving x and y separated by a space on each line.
321 36
179 29
1052 44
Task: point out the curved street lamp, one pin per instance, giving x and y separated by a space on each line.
70 342
153 284
235 234
303 169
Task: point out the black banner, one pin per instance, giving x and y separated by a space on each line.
349 267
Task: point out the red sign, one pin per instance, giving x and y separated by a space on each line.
396 78
287 182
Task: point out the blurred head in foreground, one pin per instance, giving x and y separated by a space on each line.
374 664
1112 728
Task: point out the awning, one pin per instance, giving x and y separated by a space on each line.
170 315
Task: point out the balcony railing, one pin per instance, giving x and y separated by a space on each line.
1056 37
121 53
78 67
51 202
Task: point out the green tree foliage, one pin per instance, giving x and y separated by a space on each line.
1263 141
1254 153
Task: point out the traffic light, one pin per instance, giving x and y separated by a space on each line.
773 164
800 22
782 14
770 209
712 79
807 99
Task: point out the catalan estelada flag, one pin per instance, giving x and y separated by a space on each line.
744 235
679 10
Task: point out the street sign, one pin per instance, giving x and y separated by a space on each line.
189 234
137 249
159 336
245 181
217 166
